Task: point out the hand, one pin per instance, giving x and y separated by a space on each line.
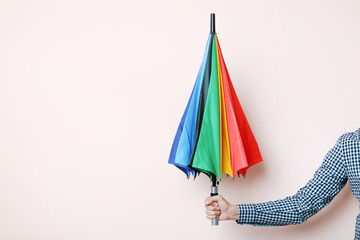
218 206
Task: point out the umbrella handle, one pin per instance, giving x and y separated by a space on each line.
214 192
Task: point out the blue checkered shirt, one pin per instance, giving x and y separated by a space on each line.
341 163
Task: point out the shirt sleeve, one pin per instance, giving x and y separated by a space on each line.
328 180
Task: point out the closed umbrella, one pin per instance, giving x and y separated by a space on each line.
214 136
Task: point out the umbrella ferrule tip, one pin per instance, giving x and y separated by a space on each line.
212 23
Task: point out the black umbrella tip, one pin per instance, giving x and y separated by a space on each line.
212 23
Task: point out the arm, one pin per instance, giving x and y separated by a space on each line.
328 180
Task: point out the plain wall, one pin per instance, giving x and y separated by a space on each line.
91 94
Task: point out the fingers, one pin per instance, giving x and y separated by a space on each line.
212 208
212 214
210 200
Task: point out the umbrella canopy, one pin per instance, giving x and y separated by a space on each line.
214 136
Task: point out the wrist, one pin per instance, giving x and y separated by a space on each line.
233 212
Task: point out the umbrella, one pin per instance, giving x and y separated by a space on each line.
214 136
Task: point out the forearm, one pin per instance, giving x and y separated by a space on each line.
328 180
291 210
278 213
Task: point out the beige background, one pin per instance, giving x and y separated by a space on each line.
91 93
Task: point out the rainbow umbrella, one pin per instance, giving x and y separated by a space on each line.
214 136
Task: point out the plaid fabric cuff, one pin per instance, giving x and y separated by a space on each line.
246 214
